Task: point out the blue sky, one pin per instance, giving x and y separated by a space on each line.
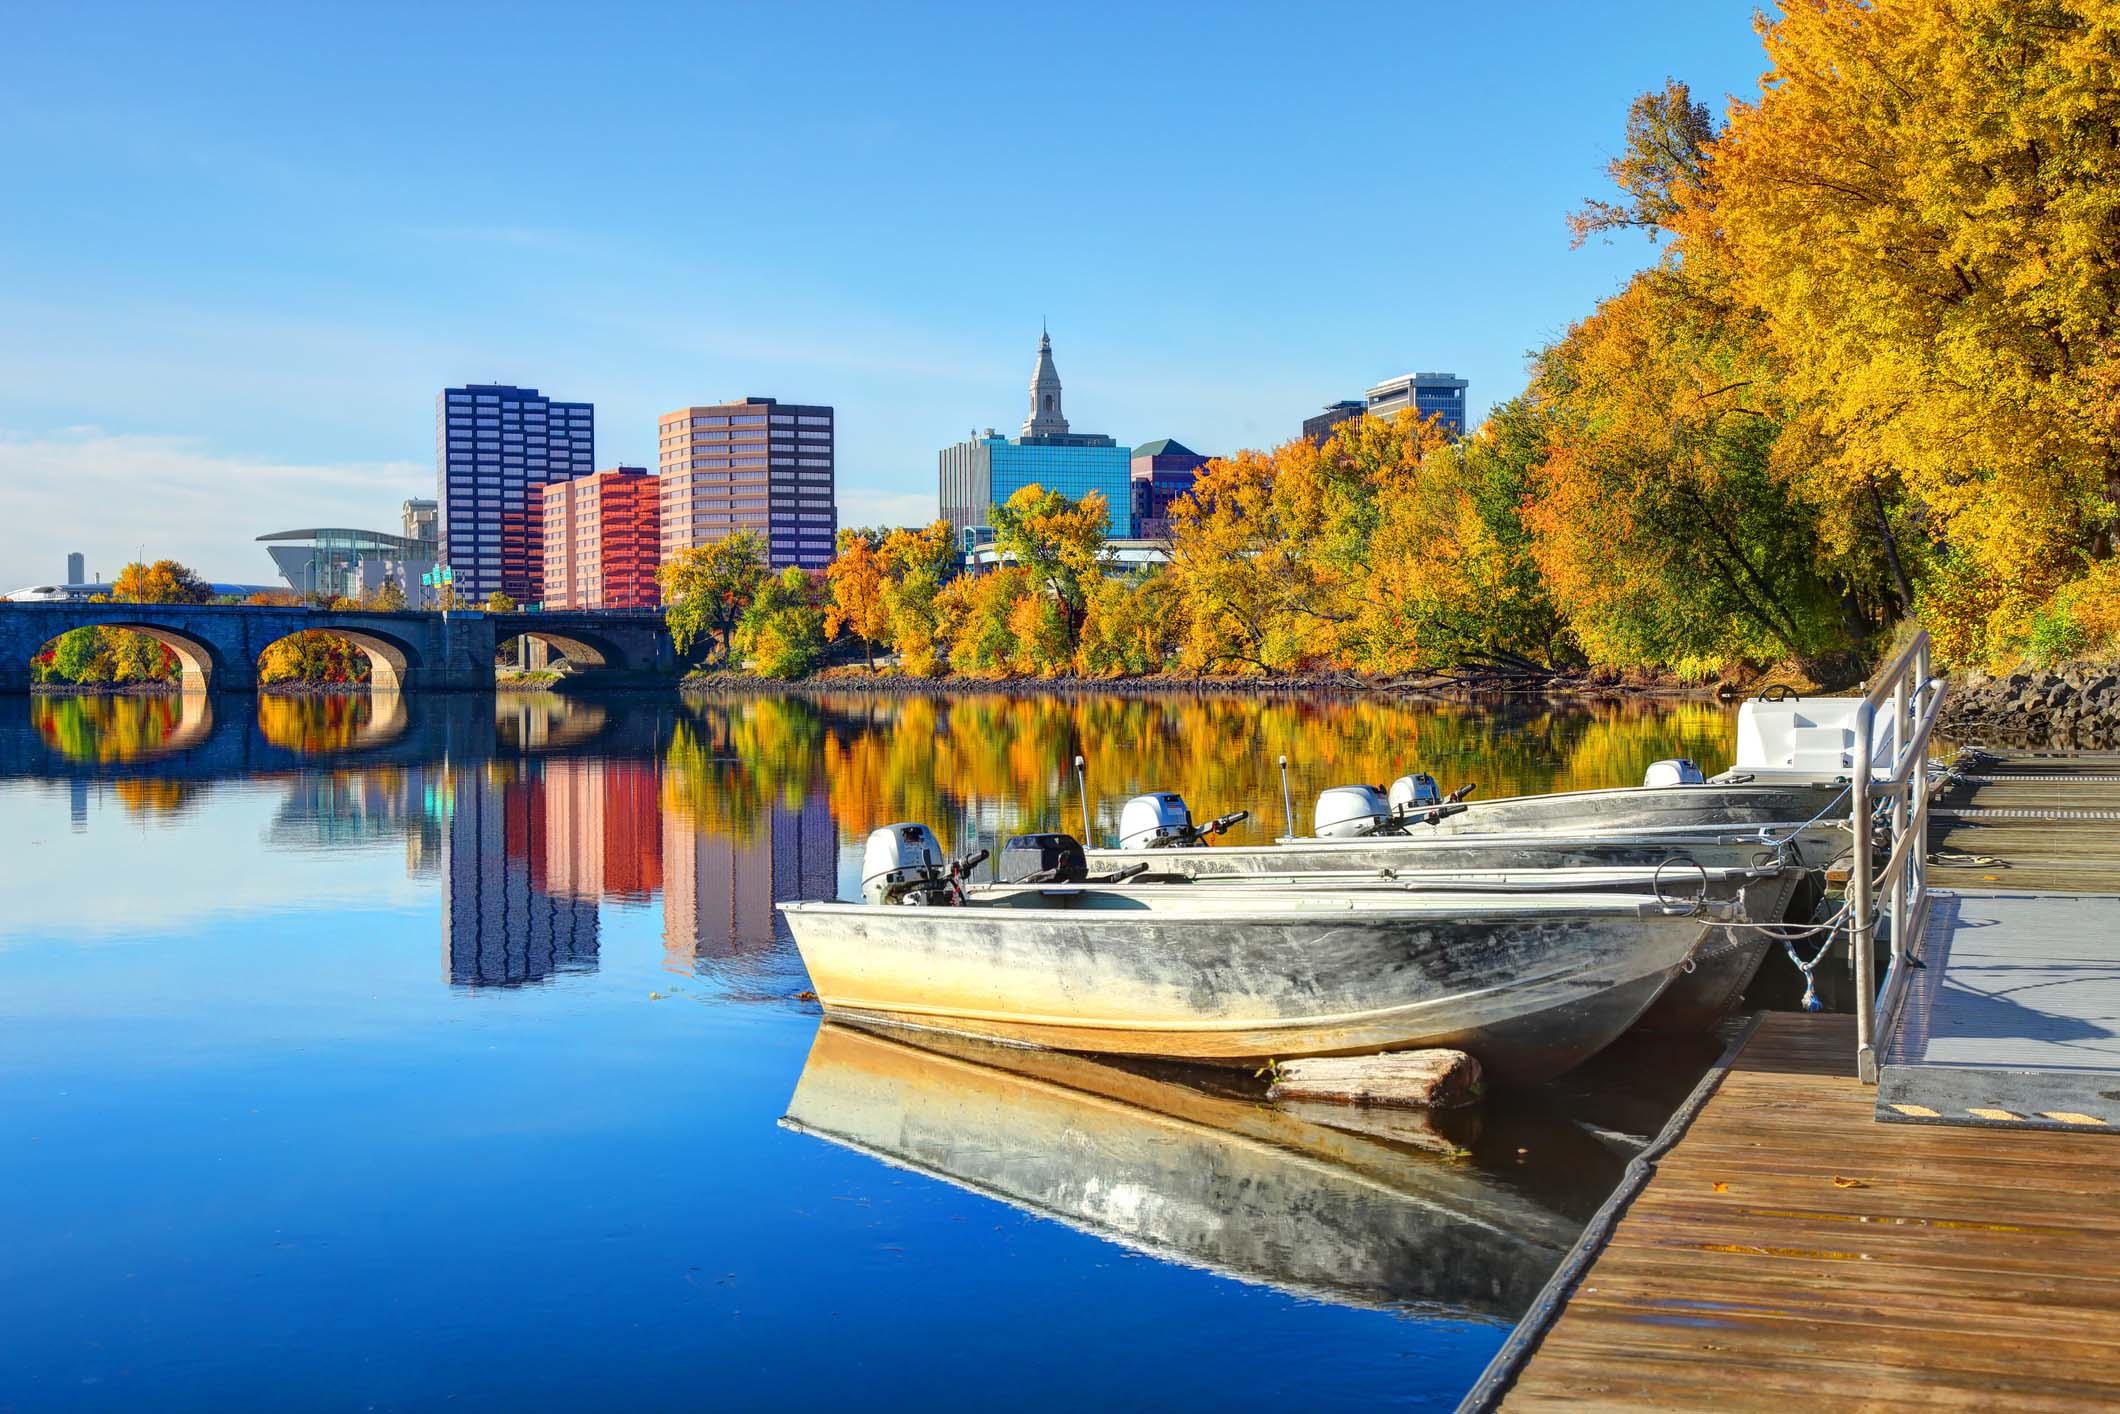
241 247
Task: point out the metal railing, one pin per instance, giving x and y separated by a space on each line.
1912 698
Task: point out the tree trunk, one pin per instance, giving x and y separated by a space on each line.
1891 549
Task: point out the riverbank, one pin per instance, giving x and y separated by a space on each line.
1498 687
106 689
2077 705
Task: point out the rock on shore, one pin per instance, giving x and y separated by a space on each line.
2073 706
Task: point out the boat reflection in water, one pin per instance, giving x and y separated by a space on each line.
1198 1172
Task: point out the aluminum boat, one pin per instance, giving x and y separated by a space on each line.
1531 984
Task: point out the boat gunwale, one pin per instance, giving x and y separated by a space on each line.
1296 906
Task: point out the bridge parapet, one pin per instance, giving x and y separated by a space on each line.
218 645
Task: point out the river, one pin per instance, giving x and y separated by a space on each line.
448 1052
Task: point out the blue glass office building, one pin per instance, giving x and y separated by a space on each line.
988 470
985 470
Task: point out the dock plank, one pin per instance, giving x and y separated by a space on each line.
1789 1246
1972 1268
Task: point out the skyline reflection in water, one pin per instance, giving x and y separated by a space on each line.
339 973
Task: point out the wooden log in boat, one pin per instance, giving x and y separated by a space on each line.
1427 1080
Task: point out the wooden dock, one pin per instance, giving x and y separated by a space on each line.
1782 1244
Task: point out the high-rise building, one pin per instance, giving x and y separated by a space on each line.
720 883
985 470
1318 429
1163 470
501 923
603 829
492 443
601 538
1439 395
759 465
422 521
76 568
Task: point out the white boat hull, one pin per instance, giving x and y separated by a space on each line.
1529 986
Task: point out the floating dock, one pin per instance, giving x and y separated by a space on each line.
1947 1238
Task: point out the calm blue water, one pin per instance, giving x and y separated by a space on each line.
355 1062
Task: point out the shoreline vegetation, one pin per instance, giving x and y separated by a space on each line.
1872 380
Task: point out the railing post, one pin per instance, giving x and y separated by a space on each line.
1901 903
1928 700
1862 911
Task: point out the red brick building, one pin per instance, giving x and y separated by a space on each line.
602 538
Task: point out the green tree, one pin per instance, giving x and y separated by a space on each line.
78 656
707 588
782 632
499 603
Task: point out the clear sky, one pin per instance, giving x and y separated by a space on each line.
242 247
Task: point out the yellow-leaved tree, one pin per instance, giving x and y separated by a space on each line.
1925 202
856 581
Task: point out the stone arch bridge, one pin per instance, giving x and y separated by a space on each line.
218 645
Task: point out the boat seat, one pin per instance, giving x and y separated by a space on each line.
1813 748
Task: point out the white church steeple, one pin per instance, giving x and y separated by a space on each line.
1045 419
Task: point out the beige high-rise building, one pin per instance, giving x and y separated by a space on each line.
758 465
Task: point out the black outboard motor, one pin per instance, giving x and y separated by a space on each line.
1042 859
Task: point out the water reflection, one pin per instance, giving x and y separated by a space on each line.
534 811
339 970
1220 1181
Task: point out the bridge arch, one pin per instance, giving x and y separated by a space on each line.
199 660
392 661
585 651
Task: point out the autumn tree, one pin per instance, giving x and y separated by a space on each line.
916 565
976 618
1134 627
707 588
79 656
858 580
1662 171
498 602
313 656
782 629
1924 200
163 582
1059 544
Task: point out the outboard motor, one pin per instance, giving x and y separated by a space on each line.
1414 793
899 860
1678 771
1160 820
1349 812
1043 859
